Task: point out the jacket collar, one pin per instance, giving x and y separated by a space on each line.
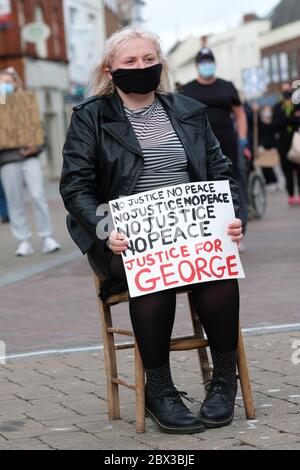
178 107
181 107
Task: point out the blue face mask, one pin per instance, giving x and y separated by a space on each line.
207 69
9 88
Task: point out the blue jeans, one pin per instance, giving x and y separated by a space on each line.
3 206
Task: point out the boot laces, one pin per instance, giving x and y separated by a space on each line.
177 395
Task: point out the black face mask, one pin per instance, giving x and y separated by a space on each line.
141 81
287 95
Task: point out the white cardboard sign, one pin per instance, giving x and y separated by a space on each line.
177 236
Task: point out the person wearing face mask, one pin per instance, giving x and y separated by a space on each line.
223 103
132 135
286 119
21 165
226 116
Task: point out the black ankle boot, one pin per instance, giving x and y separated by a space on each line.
218 407
169 412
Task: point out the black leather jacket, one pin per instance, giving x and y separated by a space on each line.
102 158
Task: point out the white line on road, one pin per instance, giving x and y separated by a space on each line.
246 331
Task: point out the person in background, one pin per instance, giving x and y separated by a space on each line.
286 120
3 206
225 112
21 165
266 141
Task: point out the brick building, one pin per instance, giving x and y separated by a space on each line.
13 50
280 47
120 13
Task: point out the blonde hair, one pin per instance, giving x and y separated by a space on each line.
100 84
11 72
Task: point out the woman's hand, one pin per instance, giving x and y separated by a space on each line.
235 231
117 242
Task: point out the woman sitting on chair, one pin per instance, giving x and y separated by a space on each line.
134 135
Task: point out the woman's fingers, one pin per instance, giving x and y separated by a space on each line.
117 242
235 230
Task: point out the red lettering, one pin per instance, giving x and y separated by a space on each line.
165 275
172 253
191 276
184 251
152 281
218 245
231 265
219 268
201 269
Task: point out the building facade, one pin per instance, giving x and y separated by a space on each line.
280 47
235 51
120 13
85 35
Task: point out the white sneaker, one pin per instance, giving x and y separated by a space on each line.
24 249
50 245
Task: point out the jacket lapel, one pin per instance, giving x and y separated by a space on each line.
115 122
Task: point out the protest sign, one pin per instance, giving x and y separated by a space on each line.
20 124
177 236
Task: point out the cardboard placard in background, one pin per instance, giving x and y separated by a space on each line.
20 122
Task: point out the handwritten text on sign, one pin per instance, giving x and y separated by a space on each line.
177 236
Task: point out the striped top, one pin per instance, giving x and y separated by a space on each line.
165 160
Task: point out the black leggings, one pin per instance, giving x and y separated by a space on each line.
289 169
152 316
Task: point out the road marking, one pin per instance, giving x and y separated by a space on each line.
246 331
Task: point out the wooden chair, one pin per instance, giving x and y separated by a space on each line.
183 343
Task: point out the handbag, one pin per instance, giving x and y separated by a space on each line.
294 152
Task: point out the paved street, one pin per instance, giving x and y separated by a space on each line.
57 401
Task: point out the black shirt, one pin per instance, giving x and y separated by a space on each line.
219 96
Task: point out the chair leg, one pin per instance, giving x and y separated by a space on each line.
139 392
110 359
199 333
244 379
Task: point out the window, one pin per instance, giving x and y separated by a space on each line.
284 66
275 68
73 14
294 65
267 68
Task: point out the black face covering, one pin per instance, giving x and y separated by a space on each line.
287 95
141 81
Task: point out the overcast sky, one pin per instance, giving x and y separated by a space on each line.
177 19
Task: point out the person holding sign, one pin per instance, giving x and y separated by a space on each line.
19 165
133 135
